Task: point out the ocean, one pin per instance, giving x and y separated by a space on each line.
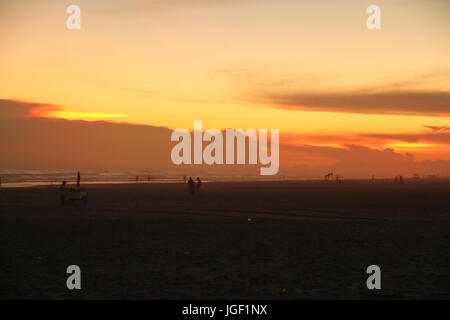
40 177
14 178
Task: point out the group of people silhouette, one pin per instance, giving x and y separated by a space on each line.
398 179
193 187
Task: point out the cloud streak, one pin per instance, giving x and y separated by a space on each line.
440 128
440 138
438 134
393 102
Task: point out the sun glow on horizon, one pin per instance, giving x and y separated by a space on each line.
59 113
72 115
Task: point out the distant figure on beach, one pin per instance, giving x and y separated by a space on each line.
78 179
184 178
191 187
199 184
401 179
62 192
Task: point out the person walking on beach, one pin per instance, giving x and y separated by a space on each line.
199 184
62 192
191 187
78 179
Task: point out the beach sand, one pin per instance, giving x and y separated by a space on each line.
239 240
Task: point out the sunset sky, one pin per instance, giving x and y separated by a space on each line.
309 68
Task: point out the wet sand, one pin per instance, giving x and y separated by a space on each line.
239 240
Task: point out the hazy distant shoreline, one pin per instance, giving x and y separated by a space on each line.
25 182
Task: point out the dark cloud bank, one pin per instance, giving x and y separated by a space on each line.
30 142
401 102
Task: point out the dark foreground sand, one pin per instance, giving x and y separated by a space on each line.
304 240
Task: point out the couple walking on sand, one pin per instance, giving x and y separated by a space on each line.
194 188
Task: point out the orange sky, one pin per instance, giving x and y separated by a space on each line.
311 69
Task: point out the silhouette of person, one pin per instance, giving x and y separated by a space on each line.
199 184
191 187
78 179
184 178
401 179
62 192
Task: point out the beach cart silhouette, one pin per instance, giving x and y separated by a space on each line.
77 193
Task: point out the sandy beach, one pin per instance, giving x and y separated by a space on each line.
239 240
